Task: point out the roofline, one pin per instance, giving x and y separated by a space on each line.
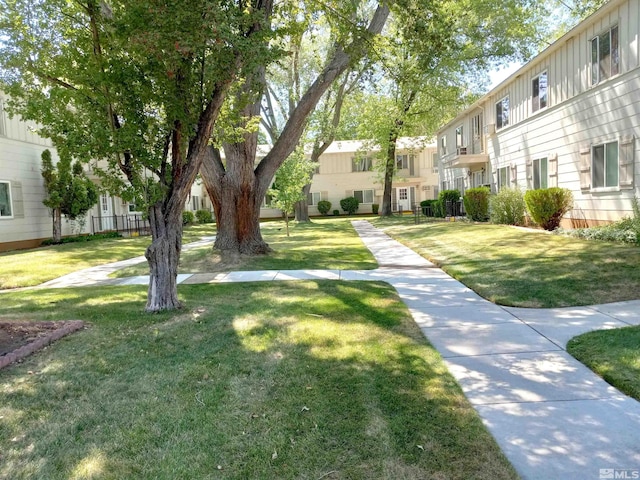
558 43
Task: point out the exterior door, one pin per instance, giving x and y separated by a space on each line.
106 213
404 201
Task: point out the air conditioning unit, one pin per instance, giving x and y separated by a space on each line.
462 150
426 188
490 129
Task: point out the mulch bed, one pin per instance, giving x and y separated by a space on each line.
19 339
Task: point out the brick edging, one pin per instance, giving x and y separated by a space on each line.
66 328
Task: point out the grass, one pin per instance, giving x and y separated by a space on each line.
326 243
304 380
612 354
25 268
525 268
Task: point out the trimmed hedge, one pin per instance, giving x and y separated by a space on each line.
547 206
204 216
507 207
349 205
188 218
476 203
324 206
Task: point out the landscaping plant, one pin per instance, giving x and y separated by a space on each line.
350 205
324 206
507 207
476 203
547 206
204 216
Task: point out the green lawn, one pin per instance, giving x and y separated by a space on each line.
612 354
25 268
525 268
326 243
303 380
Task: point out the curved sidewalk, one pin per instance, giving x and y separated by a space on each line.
552 416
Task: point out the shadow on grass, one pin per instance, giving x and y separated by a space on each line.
288 380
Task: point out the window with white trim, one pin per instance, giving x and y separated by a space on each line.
605 56
403 161
313 198
363 196
2 131
6 208
502 113
459 137
540 93
361 164
195 202
503 177
604 165
443 145
540 173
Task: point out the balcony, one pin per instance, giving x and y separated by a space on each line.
463 158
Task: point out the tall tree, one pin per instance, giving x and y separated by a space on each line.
136 85
69 191
237 186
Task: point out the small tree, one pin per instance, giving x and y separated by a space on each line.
547 206
294 174
350 205
69 191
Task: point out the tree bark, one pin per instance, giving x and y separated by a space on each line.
301 208
163 256
57 225
386 209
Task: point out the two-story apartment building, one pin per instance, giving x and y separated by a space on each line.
347 169
568 118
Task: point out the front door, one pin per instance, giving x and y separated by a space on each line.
404 200
106 212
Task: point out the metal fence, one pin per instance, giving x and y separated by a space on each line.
131 225
451 210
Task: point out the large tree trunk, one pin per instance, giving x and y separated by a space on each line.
301 208
57 225
163 256
386 209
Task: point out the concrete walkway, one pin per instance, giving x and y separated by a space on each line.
553 417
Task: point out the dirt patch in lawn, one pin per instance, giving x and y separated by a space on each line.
19 339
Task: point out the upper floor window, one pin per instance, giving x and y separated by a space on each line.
5 200
540 92
361 164
363 196
2 132
605 56
403 161
313 198
502 113
503 177
459 137
443 145
604 165
540 174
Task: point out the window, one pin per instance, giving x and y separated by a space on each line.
361 164
434 163
2 132
133 208
476 132
403 161
403 193
195 202
313 198
540 174
459 139
443 145
363 196
605 56
503 177
604 165
5 200
502 113
540 92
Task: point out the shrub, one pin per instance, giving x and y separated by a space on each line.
428 207
336 212
204 216
81 238
324 206
476 203
548 205
507 207
446 196
374 208
188 218
349 205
